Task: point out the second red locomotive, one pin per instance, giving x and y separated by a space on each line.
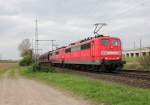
99 53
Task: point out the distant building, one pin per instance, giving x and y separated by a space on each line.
137 52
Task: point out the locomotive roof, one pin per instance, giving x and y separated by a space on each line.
86 40
89 39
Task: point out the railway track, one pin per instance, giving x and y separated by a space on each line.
137 71
131 78
145 75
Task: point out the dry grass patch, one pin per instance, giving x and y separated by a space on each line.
4 66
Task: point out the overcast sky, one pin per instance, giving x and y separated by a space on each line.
71 20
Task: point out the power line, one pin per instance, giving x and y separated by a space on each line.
52 42
123 13
126 10
36 49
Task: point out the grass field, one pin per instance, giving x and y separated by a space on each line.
94 90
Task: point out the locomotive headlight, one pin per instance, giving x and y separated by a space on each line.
117 58
106 58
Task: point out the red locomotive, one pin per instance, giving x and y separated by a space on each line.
99 53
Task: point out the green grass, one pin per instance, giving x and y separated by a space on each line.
2 72
132 59
9 72
12 73
94 90
133 67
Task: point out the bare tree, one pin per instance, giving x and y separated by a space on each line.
24 46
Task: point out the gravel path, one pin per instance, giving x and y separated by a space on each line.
29 92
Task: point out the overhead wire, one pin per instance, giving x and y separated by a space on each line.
126 10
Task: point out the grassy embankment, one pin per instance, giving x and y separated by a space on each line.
94 90
134 63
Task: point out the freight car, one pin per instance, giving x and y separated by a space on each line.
95 53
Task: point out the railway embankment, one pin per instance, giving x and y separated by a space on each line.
137 63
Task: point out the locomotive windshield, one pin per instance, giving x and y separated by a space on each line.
105 42
116 42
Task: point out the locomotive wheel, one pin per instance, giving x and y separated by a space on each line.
106 68
103 68
117 69
82 67
96 68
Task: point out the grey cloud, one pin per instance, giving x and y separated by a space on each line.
71 20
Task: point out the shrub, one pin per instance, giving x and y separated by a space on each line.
43 67
26 61
26 58
35 67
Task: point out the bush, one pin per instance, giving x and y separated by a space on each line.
26 61
145 61
35 67
43 67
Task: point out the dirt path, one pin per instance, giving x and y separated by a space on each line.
29 92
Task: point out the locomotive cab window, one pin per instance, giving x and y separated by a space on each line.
68 50
75 49
50 54
86 46
105 42
116 42
57 52
53 53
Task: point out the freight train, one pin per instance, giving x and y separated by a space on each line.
103 53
